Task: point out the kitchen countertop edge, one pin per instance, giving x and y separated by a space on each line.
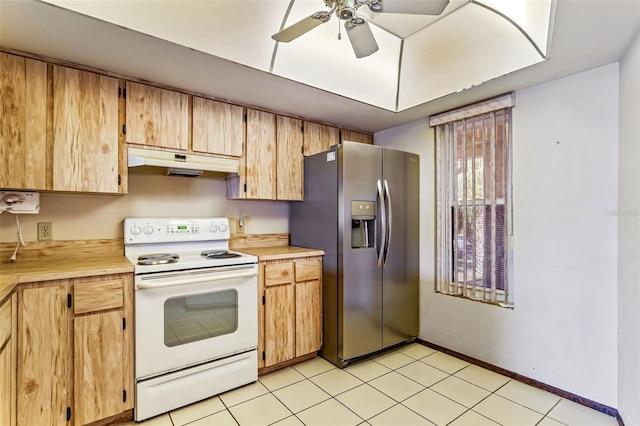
13 274
281 252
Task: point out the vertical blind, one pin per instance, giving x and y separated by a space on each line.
474 200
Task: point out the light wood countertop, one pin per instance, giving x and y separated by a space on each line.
281 252
12 274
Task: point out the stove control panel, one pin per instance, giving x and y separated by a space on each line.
164 230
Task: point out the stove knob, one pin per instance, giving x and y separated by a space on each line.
213 227
223 228
135 230
148 229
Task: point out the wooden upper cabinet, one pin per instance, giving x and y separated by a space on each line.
23 123
319 138
260 155
85 132
218 127
348 135
157 117
289 169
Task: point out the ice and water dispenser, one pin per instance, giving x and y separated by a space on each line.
363 218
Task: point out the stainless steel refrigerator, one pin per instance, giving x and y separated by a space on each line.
361 207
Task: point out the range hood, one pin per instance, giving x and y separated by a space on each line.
171 160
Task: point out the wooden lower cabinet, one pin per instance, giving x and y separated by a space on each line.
290 318
75 346
7 362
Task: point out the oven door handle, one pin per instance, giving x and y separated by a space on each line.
195 280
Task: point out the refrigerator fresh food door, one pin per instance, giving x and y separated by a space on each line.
360 284
401 176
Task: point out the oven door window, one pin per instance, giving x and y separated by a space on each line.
201 316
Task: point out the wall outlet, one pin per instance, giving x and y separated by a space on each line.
45 231
241 223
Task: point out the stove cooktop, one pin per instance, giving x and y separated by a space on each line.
162 245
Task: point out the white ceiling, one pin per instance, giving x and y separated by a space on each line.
586 34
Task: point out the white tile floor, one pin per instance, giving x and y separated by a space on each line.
413 385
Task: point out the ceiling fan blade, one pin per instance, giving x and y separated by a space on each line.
361 37
294 31
414 7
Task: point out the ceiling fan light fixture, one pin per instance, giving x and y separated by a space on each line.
361 37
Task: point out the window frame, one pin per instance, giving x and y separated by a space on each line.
446 242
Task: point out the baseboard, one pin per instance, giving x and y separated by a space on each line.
531 382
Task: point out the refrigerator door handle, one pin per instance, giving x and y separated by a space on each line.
383 215
389 222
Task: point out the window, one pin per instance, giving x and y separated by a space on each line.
473 218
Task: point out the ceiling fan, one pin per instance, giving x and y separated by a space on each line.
356 24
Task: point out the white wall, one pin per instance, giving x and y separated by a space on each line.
151 194
629 238
563 329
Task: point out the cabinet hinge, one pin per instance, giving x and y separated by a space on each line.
245 117
119 92
124 129
119 180
245 187
263 300
340 136
68 413
302 149
124 395
302 128
264 356
124 323
69 301
124 93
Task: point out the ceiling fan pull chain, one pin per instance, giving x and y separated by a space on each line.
339 33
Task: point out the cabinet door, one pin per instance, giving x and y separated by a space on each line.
218 128
260 167
157 117
348 135
289 174
308 296
98 373
23 122
279 317
85 136
319 138
43 358
6 363
279 314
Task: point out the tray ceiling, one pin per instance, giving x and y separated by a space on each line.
586 34
421 58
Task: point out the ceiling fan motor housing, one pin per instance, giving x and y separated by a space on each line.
346 9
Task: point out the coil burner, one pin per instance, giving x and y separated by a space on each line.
218 254
157 258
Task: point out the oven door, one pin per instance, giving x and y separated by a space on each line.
185 318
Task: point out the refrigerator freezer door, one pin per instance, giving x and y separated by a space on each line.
360 321
401 271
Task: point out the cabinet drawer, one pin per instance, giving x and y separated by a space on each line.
97 295
5 321
278 273
307 270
